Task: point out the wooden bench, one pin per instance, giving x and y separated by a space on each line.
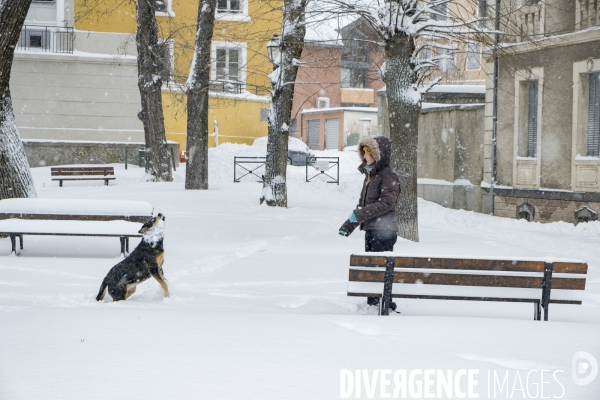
71 217
61 174
537 281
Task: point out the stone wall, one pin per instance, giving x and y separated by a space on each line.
545 210
549 205
450 153
42 153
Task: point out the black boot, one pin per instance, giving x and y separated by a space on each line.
373 301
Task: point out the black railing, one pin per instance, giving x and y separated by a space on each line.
227 87
52 39
321 167
248 166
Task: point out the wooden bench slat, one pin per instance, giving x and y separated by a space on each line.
17 233
69 217
75 173
80 178
466 280
570 268
471 298
81 168
469 264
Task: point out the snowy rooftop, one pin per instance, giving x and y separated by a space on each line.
452 89
333 109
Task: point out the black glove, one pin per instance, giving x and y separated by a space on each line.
348 227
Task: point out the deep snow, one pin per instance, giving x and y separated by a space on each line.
258 306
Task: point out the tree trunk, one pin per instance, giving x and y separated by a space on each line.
15 175
158 159
404 106
196 175
282 94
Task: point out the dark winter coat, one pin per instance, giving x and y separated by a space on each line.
381 188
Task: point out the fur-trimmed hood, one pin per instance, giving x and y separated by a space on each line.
381 150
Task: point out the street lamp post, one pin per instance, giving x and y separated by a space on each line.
274 49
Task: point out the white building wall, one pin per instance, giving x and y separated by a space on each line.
91 94
71 97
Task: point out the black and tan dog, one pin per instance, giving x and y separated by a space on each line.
144 262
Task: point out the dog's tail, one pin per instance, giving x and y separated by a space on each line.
102 291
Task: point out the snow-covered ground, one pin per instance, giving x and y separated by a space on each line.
258 306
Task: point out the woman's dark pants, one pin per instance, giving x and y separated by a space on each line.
379 240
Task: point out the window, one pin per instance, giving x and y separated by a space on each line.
228 64
355 64
528 111
474 56
229 6
532 118
264 114
160 6
228 72
355 78
165 55
593 134
425 52
446 58
441 12
482 9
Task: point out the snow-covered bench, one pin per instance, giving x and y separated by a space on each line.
72 217
82 173
540 281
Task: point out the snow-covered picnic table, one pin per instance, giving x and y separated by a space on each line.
73 217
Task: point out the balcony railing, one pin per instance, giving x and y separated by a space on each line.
51 39
531 23
588 13
227 87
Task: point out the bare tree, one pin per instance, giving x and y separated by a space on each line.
197 87
282 95
158 160
15 175
400 23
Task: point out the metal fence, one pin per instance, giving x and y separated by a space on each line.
248 166
52 39
323 167
327 168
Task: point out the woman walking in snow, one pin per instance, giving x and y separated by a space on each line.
375 213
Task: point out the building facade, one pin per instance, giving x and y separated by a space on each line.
547 161
75 71
335 96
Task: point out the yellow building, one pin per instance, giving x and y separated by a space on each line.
239 97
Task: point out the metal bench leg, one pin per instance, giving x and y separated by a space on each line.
127 244
387 287
546 288
13 243
21 241
122 239
60 183
106 182
537 311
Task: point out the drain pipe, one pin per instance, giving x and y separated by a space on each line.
495 108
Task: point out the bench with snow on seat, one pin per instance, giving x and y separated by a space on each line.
72 217
540 281
82 173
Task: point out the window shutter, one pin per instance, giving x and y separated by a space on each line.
594 115
532 118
